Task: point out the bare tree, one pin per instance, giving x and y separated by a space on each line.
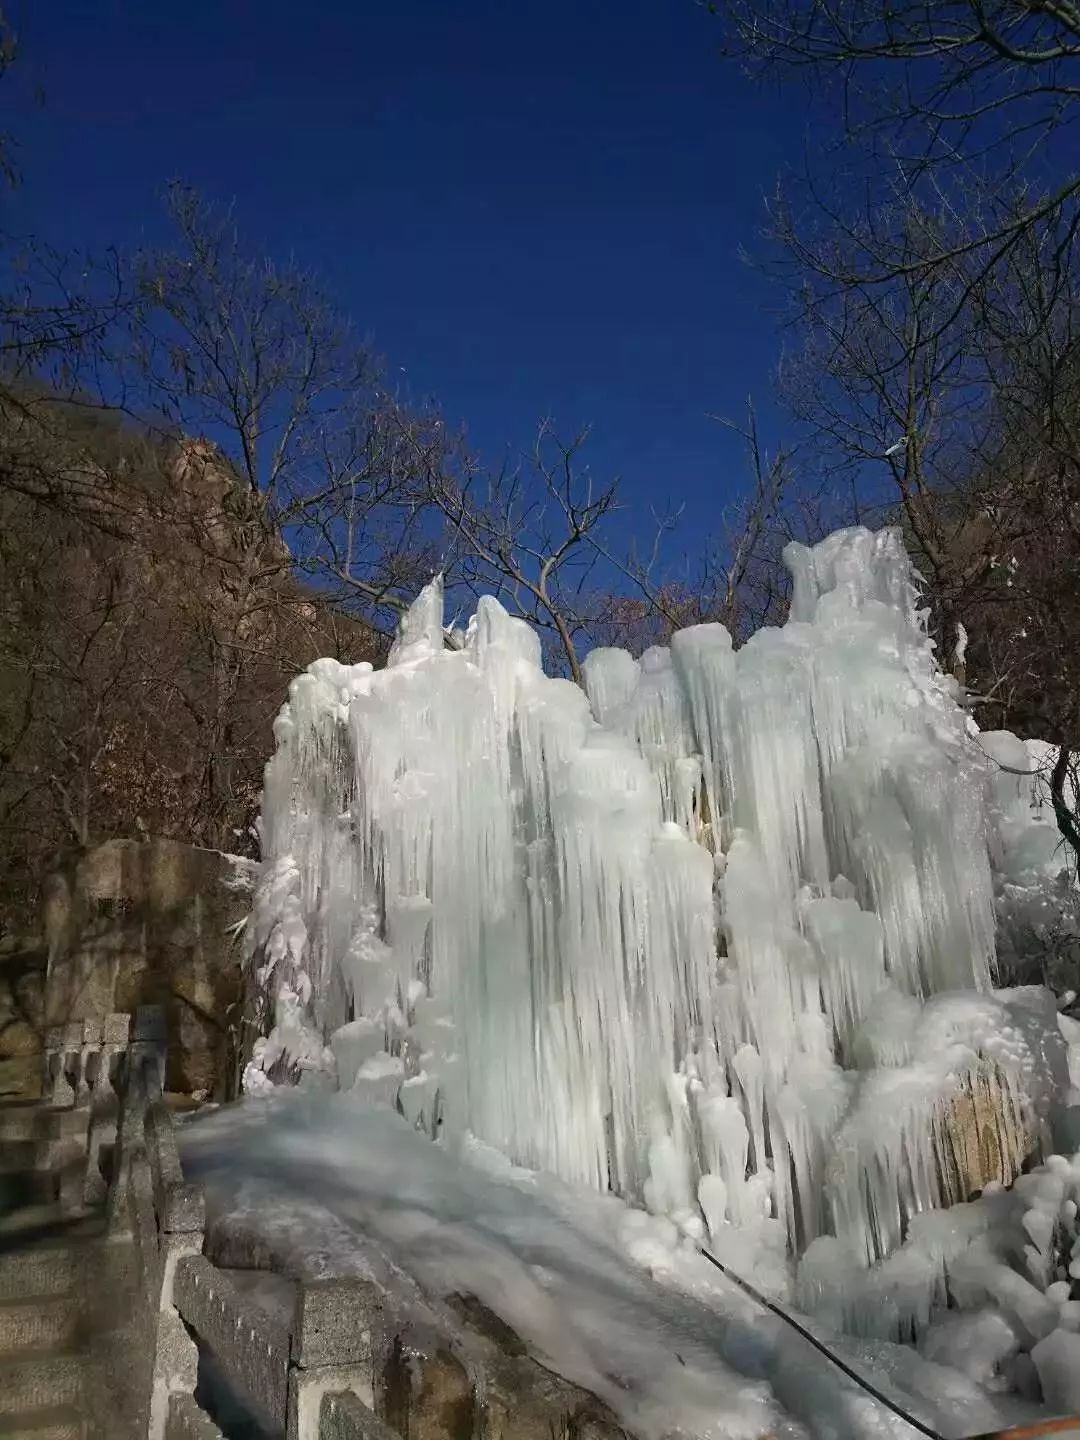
737 576
369 534
886 381
527 533
944 87
549 540
933 288
953 52
300 466
949 399
231 346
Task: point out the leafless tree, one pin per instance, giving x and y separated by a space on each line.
231 346
527 532
949 399
299 468
933 286
953 91
554 544
737 576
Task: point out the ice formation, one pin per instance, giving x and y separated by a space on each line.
716 932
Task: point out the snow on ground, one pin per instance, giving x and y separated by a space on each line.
610 1297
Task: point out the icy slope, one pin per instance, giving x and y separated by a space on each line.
607 1296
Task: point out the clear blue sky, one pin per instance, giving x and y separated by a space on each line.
534 207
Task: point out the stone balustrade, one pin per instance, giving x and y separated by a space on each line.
343 1417
186 1303
344 1358
81 1059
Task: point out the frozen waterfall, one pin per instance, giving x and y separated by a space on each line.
716 932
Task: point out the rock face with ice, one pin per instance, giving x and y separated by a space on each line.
716 931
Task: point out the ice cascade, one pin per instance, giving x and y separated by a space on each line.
680 933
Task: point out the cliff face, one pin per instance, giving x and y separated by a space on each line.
132 923
150 621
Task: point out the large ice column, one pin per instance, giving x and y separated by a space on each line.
853 806
305 894
604 809
771 754
436 812
611 679
902 785
705 665
520 876
774 998
850 955
671 933
644 700
838 746
895 1155
860 567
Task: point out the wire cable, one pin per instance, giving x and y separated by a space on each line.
822 1349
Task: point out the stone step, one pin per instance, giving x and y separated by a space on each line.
41 1270
18 1118
20 1155
39 1322
18 1219
37 1380
22 1190
41 1122
56 1423
49 1221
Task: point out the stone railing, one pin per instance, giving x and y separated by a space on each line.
357 1349
229 1332
150 1204
81 1061
283 1367
345 1352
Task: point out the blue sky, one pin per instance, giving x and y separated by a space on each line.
535 208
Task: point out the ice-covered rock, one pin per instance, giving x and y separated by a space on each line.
1057 1359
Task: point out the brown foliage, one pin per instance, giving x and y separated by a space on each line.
139 678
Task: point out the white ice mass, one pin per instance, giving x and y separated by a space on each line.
716 932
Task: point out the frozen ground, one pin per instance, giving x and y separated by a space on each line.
610 1297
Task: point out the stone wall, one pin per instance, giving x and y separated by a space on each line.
132 923
23 962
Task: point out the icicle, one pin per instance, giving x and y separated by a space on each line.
849 947
771 757
611 677
632 935
705 664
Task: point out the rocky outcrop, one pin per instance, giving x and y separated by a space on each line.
133 923
986 1137
23 962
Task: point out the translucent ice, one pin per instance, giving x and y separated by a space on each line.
682 933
